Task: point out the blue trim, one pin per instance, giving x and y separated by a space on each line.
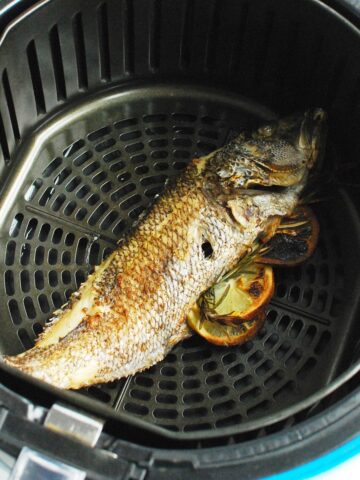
322 464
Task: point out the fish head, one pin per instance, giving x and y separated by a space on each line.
280 153
304 133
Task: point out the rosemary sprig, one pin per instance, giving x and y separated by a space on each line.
300 223
207 303
223 296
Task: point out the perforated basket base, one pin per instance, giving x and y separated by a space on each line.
68 203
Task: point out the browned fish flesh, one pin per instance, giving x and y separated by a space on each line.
132 309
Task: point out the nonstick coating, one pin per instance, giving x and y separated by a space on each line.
85 187
107 100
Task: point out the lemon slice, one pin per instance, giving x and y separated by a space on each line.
224 334
241 294
233 310
294 241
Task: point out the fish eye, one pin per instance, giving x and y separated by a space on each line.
266 130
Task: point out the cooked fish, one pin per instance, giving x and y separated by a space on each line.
132 309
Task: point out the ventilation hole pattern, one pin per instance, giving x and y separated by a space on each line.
94 182
90 194
206 387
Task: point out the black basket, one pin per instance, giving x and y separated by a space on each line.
101 103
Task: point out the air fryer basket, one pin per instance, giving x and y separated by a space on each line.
101 103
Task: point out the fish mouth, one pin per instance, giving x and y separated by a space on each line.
312 134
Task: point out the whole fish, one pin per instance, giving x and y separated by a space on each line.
132 310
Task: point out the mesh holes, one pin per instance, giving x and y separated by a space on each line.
220 387
87 196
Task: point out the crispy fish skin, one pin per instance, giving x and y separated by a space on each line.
132 310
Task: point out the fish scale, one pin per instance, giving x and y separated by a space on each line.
132 310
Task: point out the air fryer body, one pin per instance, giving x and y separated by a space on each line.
100 103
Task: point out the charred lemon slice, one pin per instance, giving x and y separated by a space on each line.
294 241
233 310
224 334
